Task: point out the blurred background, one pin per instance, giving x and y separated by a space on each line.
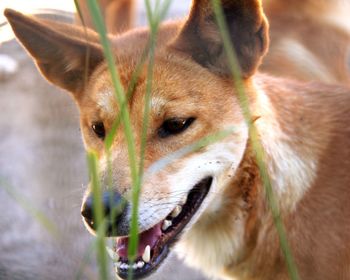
43 169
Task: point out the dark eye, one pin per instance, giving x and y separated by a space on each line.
174 126
99 129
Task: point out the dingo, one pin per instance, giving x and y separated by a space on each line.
210 204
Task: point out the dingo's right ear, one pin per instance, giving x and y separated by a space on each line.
60 50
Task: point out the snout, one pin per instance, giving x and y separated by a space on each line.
114 212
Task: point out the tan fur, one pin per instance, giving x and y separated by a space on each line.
304 129
310 40
118 15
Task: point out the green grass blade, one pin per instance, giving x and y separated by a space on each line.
154 20
98 216
28 207
83 266
131 89
118 88
117 85
196 146
88 50
257 147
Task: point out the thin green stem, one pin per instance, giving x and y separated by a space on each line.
257 147
118 89
88 49
154 20
98 214
117 85
28 207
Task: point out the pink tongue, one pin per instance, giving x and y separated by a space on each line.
148 237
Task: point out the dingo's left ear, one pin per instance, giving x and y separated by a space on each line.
248 30
59 50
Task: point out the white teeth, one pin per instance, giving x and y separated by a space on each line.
176 211
147 254
124 266
166 224
140 264
114 256
183 200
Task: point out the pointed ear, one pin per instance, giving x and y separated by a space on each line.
248 29
60 50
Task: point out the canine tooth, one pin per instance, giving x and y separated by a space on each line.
166 224
183 200
147 254
124 266
176 211
140 264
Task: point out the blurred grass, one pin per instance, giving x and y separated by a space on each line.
98 214
37 214
86 260
45 222
196 146
88 50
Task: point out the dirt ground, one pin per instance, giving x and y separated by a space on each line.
43 170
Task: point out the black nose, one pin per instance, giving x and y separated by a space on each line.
113 208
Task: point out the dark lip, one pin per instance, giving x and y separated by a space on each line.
161 250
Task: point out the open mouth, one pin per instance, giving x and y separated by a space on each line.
155 242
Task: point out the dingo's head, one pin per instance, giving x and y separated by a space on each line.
192 97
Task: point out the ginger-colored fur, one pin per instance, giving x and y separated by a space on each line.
310 40
118 14
304 129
